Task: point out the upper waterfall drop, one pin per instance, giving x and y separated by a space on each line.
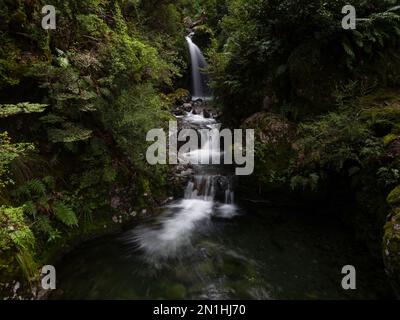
201 89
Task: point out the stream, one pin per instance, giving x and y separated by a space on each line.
206 246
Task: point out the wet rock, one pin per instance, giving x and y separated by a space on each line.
197 110
206 268
207 113
187 106
393 150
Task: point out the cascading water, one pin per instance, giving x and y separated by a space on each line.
201 90
174 229
171 235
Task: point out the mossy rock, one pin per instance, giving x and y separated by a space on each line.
206 268
241 289
203 36
394 197
391 248
179 96
273 152
177 291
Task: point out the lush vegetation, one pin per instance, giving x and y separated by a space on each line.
325 103
76 103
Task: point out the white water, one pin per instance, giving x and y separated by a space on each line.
199 78
198 119
171 235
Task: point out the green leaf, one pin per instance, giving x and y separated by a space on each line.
65 214
71 133
7 110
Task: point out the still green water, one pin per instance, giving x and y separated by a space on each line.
269 254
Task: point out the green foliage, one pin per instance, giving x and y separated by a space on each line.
96 85
7 110
64 214
335 139
394 197
296 53
39 196
9 153
15 234
70 133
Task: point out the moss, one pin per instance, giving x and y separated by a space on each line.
394 197
178 97
389 138
390 113
177 291
382 110
380 97
391 248
274 150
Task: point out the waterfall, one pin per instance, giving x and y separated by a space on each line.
208 194
201 89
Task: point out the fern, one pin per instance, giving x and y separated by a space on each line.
43 224
27 264
65 214
36 187
51 119
71 133
50 182
30 209
7 110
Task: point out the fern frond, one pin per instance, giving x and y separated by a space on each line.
37 187
30 209
71 133
7 110
65 214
